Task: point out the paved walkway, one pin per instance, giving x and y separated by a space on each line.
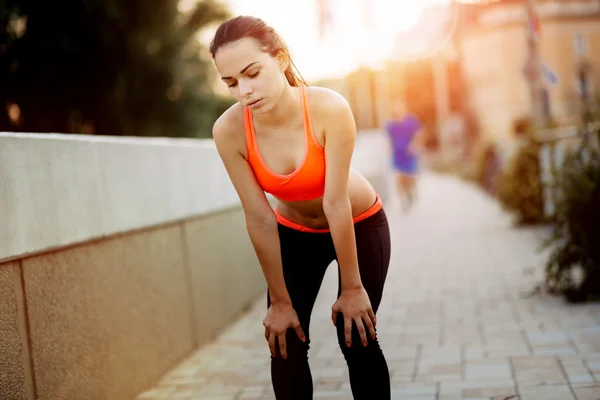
455 321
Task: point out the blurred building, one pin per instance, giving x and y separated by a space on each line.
494 48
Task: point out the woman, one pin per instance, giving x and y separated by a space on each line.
406 134
296 143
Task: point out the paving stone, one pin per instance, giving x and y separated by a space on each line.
396 396
553 350
588 391
489 392
487 370
249 396
546 338
401 367
594 366
538 370
332 395
546 392
474 352
401 353
415 389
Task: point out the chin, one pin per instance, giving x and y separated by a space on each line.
264 108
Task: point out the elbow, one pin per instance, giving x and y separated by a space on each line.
261 221
336 205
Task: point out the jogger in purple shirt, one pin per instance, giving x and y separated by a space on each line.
403 129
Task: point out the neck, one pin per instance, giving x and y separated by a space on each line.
284 110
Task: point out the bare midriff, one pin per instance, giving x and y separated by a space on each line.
309 215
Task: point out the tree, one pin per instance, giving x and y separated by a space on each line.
107 67
573 266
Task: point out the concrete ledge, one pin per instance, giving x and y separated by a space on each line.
64 189
15 367
108 318
224 272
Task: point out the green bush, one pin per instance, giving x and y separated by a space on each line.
573 268
518 185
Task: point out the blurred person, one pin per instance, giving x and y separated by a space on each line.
406 133
296 141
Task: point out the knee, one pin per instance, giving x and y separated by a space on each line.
356 349
295 348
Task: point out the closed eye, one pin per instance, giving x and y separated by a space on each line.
251 76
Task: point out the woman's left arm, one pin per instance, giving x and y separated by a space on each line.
340 136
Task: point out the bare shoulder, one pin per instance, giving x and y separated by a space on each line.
228 129
330 113
325 101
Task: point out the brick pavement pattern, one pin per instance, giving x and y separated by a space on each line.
457 320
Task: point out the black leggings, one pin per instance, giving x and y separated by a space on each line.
305 257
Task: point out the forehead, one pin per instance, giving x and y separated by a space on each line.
233 57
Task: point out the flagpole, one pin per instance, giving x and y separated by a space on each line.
533 69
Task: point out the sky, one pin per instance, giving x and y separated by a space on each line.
360 32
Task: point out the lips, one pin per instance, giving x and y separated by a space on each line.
253 102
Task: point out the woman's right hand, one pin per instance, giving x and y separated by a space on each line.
280 317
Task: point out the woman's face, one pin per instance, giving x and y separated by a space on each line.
254 77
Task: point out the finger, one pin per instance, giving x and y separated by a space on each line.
361 330
348 330
282 345
372 316
266 334
369 325
272 344
334 315
299 331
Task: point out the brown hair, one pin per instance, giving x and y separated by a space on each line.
267 38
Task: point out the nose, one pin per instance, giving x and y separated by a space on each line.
245 88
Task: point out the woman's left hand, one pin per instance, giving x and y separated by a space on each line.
354 304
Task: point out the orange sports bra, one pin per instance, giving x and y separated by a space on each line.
307 182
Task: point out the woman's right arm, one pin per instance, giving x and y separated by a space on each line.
261 221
